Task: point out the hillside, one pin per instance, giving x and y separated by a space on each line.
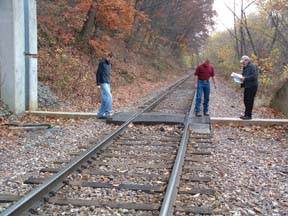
68 61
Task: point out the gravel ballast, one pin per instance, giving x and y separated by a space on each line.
250 162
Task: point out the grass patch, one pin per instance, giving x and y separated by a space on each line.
161 66
126 76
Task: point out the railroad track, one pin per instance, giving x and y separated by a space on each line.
136 170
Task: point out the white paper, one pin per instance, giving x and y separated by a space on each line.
236 77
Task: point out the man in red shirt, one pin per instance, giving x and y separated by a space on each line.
201 82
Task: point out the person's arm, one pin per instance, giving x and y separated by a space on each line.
195 81
213 77
196 78
99 74
214 81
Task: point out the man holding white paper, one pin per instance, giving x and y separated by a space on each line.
250 85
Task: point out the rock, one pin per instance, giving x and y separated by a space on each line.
46 98
4 111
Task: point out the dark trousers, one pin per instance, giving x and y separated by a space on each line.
249 95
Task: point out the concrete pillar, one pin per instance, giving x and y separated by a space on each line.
18 54
280 100
12 59
31 79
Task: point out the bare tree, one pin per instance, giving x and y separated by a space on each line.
249 35
242 34
242 25
235 31
276 26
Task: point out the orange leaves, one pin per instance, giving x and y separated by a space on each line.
116 15
84 5
100 46
268 64
67 37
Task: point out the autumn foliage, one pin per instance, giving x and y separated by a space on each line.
265 40
114 15
148 39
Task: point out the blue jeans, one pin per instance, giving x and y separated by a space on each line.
203 86
106 100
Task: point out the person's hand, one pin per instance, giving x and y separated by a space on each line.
98 86
242 78
195 85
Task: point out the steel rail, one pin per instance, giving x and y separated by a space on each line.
38 194
171 192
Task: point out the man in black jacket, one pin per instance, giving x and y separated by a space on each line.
250 84
103 81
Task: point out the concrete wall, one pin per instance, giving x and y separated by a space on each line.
18 69
280 100
12 59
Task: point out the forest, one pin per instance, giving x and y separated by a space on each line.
261 35
154 41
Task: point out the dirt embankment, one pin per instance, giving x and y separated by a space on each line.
67 65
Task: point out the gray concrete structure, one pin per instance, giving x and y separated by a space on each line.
16 70
31 75
280 100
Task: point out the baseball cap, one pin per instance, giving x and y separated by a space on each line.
244 58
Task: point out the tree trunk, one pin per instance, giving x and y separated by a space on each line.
235 32
89 25
280 34
242 40
250 36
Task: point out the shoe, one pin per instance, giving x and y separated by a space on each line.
109 115
206 114
105 116
245 117
101 117
198 115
